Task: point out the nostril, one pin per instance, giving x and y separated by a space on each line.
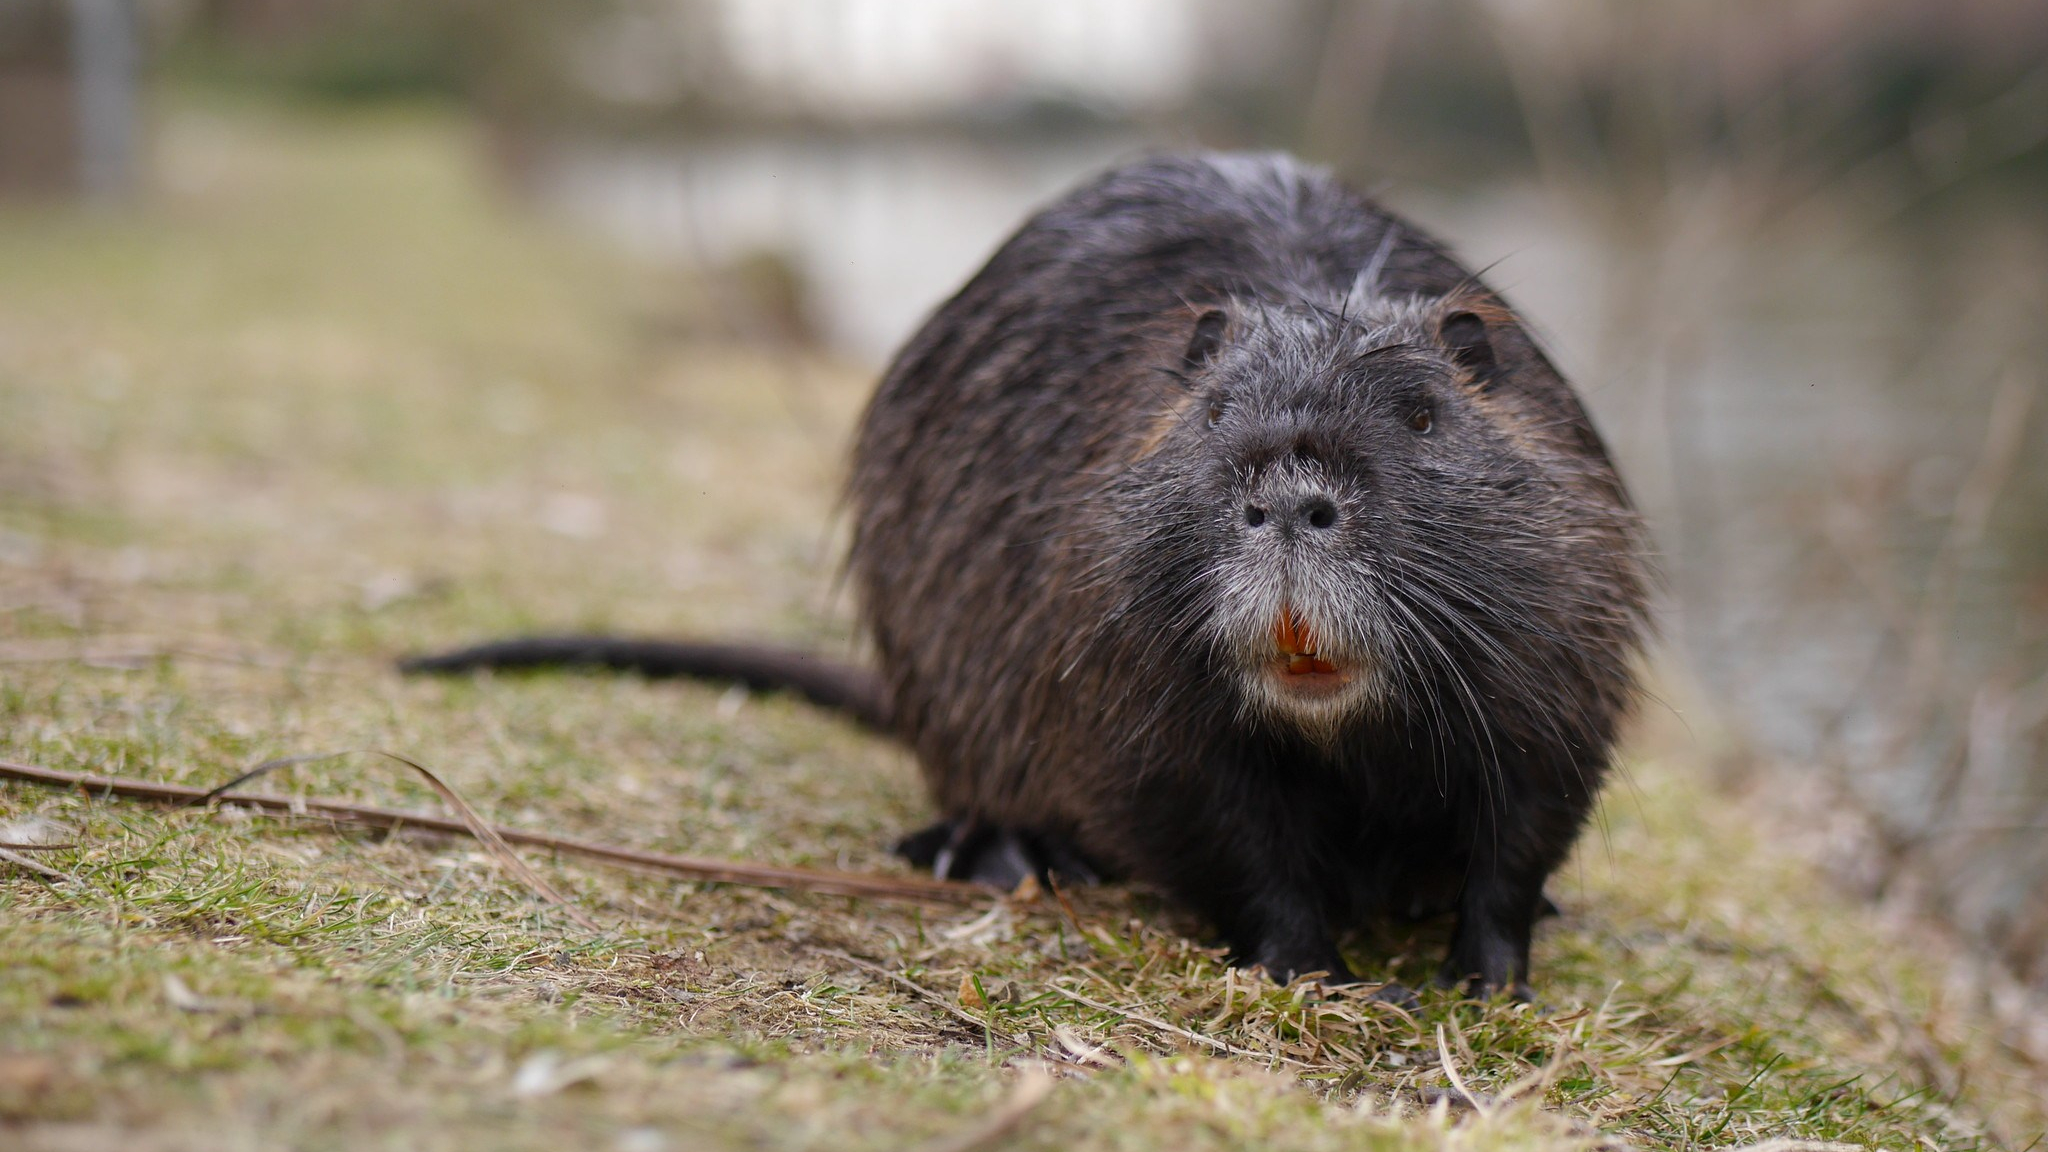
1319 513
1254 515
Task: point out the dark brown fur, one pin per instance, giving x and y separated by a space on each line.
1038 505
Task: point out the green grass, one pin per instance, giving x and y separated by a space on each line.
330 398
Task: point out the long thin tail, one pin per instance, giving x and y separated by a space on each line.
846 688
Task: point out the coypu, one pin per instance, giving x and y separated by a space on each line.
1223 532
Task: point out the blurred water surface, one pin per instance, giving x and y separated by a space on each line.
877 231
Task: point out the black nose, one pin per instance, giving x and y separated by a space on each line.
1313 511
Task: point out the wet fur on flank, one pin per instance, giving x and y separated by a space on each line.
1074 618
1202 423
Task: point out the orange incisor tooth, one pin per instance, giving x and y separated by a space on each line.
1291 634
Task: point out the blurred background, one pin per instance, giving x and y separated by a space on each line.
1794 254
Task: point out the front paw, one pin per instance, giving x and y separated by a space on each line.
1488 958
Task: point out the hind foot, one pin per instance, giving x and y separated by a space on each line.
999 857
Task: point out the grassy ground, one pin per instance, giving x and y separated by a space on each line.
328 400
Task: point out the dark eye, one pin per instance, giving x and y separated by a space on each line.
1217 407
1422 420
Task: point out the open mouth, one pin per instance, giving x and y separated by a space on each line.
1297 661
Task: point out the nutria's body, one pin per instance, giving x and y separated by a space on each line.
1080 628
1223 532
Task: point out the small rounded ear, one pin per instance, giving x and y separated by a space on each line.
1207 339
1464 336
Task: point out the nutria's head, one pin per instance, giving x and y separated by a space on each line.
1355 508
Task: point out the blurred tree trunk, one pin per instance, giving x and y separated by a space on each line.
69 97
38 121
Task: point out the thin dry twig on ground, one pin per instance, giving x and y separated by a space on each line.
28 865
1801 1146
911 889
